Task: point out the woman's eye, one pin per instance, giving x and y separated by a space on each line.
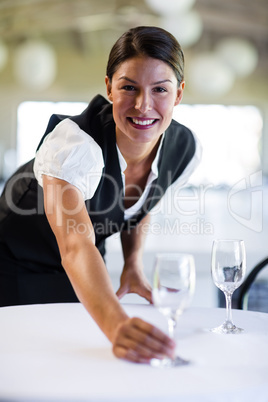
129 88
160 89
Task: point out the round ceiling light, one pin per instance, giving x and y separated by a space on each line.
208 76
35 64
239 54
169 7
187 28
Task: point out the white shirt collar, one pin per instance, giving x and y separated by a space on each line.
154 167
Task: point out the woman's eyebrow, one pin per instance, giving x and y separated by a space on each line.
127 79
161 82
135 82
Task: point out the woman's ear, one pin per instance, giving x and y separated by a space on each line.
108 88
179 93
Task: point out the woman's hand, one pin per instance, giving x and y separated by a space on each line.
133 280
138 341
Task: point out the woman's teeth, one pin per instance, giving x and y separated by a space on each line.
143 122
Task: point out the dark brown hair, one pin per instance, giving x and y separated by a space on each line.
153 42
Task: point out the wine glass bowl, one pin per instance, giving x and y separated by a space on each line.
173 287
228 268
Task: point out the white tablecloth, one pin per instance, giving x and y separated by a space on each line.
56 352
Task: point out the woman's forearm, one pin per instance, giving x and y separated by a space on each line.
93 287
133 242
132 278
132 338
80 257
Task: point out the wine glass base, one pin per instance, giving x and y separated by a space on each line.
227 329
166 362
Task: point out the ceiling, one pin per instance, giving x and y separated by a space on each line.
71 22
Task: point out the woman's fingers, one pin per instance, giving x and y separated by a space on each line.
131 282
145 292
130 355
144 339
122 291
139 341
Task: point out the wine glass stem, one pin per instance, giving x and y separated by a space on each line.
171 327
229 320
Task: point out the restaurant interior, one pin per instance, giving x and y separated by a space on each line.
53 57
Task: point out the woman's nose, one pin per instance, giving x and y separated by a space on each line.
143 103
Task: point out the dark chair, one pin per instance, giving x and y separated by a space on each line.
253 293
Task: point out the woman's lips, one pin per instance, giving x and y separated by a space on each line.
142 123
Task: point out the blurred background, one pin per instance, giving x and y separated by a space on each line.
53 56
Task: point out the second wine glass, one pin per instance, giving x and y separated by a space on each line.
228 267
173 287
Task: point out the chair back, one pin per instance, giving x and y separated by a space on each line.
253 293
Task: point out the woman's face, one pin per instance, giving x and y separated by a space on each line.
144 92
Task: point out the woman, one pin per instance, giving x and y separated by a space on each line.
93 175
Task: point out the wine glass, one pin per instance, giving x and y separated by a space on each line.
173 287
228 267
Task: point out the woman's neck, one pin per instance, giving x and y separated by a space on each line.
139 159
137 153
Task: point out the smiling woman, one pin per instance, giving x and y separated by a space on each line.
93 175
143 109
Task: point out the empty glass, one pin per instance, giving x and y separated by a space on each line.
173 287
228 268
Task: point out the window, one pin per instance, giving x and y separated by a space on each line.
230 138
32 122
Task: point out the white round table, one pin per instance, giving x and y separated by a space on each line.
56 352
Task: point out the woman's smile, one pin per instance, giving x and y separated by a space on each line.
142 123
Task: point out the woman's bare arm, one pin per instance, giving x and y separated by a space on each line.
133 279
132 338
